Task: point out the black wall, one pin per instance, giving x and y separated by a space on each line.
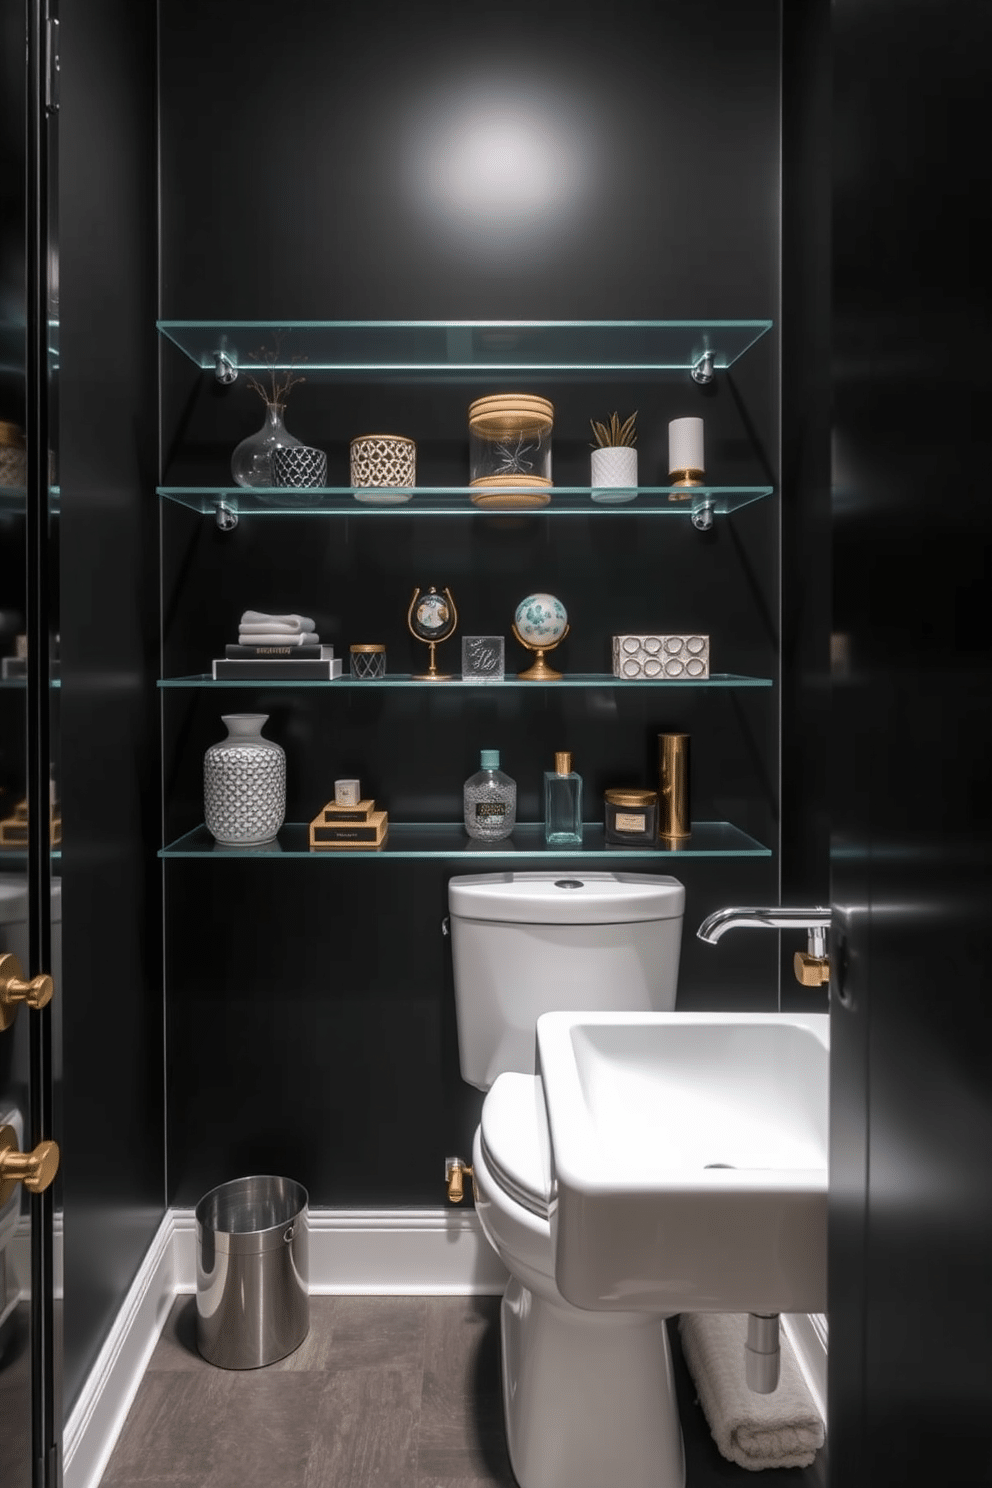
329 168
111 995
911 1204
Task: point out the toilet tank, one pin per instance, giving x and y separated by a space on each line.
530 943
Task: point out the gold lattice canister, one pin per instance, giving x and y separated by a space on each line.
510 449
13 455
383 467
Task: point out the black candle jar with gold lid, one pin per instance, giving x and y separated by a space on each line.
631 817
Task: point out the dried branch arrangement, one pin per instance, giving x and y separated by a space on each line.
274 384
614 433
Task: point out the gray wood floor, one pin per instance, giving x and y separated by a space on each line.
385 1392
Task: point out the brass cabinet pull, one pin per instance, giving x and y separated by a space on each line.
14 990
35 1170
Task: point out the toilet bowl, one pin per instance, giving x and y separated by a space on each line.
588 1396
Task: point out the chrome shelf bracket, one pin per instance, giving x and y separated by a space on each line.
225 516
225 370
702 372
702 516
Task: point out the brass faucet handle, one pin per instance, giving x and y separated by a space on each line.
36 1170
14 990
811 971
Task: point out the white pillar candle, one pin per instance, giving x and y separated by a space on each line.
685 444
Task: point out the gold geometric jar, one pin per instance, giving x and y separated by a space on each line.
510 450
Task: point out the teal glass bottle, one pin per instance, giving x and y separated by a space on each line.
562 804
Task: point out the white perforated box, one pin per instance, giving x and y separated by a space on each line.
660 658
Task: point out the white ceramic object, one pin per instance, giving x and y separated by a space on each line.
689 1158
588 1397
613 470
244 784
525 943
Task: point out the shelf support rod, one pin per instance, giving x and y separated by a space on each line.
225 516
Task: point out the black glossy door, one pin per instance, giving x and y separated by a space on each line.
911 1184
28 730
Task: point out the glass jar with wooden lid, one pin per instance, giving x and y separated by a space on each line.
510 450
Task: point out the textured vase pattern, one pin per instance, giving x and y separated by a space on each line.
614 473
244 784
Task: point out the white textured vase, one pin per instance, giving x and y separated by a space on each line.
244 783
614 473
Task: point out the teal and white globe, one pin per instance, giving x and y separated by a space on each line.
541 619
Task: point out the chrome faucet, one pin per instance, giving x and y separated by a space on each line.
812 968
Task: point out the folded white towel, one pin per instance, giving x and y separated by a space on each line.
258 620
278 638
783 1429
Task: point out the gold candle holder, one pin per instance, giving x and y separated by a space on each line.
674 824
684 482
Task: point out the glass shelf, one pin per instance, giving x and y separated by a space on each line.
468 345
14 500
450 501
403 679
449 840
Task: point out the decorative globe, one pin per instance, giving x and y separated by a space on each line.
541 619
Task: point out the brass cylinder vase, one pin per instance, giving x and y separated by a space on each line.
674 824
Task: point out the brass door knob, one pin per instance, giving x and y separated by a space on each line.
14 990
35 1170
811 971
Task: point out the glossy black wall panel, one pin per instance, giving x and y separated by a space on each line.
412 165
386 161
911 1204
113 1168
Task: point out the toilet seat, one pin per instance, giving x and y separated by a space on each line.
515 1143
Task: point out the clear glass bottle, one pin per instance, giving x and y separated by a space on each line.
490 800
562 803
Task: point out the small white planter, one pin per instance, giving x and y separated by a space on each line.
614 473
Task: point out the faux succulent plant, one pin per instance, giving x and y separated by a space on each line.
615 432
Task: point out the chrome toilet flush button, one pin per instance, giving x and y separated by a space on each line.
569 883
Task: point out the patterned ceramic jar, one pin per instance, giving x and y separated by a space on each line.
383 468
244 783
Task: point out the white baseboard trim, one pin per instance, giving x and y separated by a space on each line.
405 1252
105 1399
807 1332
381 1252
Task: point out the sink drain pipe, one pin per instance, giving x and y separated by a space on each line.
762 1352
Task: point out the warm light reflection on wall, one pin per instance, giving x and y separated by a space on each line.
511 166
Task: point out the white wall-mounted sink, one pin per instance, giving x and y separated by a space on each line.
689 1152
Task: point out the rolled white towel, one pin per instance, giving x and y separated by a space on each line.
258 620
278 638
783 1429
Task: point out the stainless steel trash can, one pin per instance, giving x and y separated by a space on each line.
252 1277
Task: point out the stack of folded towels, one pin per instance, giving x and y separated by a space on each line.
259 629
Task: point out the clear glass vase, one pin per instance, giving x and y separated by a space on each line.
251 463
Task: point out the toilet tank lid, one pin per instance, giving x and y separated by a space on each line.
566 897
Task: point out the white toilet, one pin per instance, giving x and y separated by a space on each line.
588 1397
